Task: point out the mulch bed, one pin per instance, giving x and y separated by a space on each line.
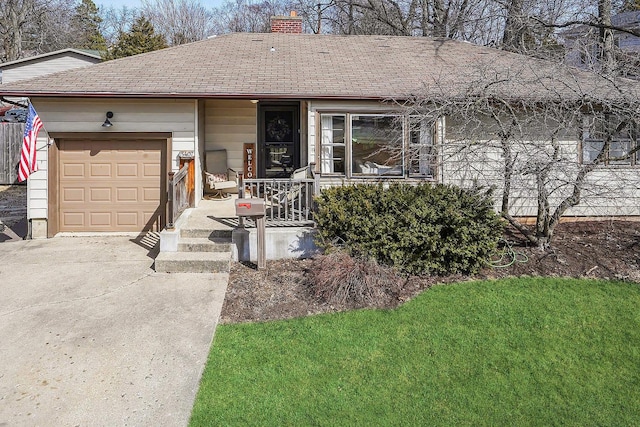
604 250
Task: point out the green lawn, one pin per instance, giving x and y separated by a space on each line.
507 353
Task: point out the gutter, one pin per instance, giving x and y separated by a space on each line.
264 96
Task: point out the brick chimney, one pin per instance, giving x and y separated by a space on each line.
287 24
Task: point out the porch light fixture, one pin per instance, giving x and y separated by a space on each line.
107 123
254 101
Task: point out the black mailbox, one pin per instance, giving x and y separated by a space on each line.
250 207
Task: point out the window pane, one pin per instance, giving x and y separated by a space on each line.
619 148
421 154
421 161
376 144
332 152
590 150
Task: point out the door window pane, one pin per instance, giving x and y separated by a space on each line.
278 126
279 161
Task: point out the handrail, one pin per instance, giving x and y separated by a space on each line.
178 197
287 199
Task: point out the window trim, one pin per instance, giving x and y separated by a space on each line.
632 140
333 144
633 161
404 159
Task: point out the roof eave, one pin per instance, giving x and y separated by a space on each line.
48 55
156 95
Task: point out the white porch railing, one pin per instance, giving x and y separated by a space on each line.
288 201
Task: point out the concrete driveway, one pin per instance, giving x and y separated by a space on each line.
90 335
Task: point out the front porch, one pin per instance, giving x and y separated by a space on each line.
206 238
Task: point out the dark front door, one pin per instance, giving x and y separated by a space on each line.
279 140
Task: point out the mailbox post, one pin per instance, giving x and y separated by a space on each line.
255 208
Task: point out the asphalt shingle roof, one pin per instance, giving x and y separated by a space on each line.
293 66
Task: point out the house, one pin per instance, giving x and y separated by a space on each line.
27 68
316 100
47 63
582 49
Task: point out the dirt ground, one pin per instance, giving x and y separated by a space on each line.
606 249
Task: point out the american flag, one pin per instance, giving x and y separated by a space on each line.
28 163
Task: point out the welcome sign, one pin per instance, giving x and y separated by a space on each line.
249 160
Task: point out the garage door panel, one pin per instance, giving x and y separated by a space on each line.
100 194
127 219
100 170
100 219
73 170
150 194
148 216
73 220
110 185
151 170
127 195
73 194
127 170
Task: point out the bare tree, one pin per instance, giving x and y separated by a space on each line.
179 21
30 27
607 47
437 18
15 17
116 21
50 28
249 16
548 139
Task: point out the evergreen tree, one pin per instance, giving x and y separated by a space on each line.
86 25
140 39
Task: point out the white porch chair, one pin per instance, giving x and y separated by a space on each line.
218 177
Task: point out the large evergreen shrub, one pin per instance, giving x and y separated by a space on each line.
434 229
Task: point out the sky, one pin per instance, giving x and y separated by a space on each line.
138 3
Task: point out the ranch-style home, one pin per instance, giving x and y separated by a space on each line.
263 105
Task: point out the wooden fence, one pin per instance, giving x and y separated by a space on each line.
10 145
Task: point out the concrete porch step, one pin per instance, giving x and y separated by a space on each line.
205 233
193 262
194 244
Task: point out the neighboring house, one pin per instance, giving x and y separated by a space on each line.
313 99
582 49
47 63
26 68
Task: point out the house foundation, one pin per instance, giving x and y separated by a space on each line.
285 242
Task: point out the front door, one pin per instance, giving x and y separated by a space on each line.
278 140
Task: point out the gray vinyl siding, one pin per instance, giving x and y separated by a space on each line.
47 65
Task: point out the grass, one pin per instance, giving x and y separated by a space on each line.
538 352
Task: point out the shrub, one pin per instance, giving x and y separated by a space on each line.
434 229
341 279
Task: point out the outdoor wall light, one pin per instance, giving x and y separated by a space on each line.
107 123
254 101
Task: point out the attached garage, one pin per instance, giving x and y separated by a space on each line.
109 183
